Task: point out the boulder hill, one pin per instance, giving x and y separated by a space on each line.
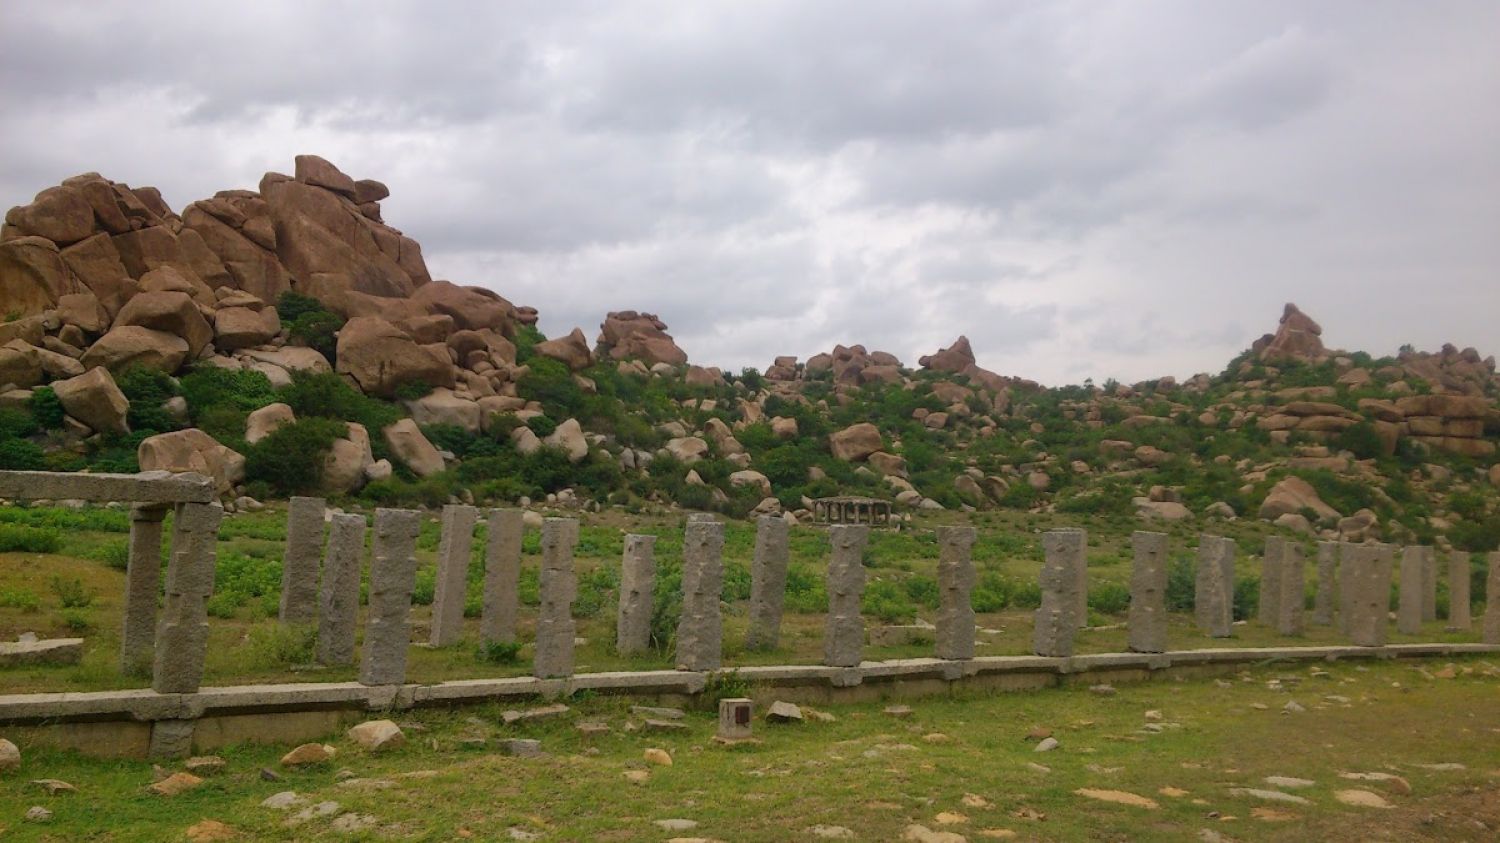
303 278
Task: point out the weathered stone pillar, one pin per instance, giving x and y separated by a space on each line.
455 548
1346 595
1063 552
502 576
1147 621
182 637
1492 601
142 585
1293 582
767 582
1270 581
700 631
555 629
299 568
1326 596
955 577
1458 591
1213 588
1369 587
844 630
338 603
1429 585
1081 611
393 575
637 582
1413 573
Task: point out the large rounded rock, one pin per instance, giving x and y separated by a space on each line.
471 308
569 437
381 357
1296 338
1291 496
133 345
192 450
60 214
955 358
260 423
243 327
96 264
32 276
317 171
412 448
443 406
572 350
292 358
751 478
687 449
627 334
94 399
20 364
348 463
171 312
856 442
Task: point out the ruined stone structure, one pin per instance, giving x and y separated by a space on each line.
1415 562
852 510
555 629
844 632
1458 592
1148 593
1492 602
700 633
1368 586
338 599
1213 592
637 580
768 582
393 575
1269 610
1327 595
955 576
299 569
1292 582
1056 620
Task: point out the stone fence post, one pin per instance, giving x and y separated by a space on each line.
1147 621
393 574
844 629
767 582
955 576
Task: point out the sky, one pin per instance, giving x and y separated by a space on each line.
1084 189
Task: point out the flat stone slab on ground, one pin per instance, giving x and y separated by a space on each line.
44 651
657 713
546 712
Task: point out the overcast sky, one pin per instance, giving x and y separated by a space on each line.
1087 189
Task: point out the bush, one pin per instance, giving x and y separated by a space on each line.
46 408
147 389
992 593
22 455
1109 598
290 459
1361 440
499 652
541 426
71 594
26 601
275 645
550 383
17 538
207 387
114 554
888 601
15 424
329 396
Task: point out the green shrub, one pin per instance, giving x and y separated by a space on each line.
317 330
1361 440
147 389
413 390
114 554
1182 585
499 652
290 459
206 387
277 645
77 620
1109 598
541 426
17 538
71 594
1026 595
329 396
22 455
15 424
991 593
26 601
550 383
889 602
46 408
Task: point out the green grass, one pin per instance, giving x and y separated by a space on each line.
965 758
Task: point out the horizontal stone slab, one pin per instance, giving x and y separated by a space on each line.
148 487
45 651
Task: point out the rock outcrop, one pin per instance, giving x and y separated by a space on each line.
1298 337
628 335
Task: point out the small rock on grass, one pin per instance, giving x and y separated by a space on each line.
283 801
660 757
900 712
1361 799
377 735
998 833
831 832
174 784
10 756
950 818
923 834
1046 745
1272 815
1119 797
1268 795
637 776
204 765
974 800
209 831
38 814
54 787
1288 782
676 824
308 754
783 712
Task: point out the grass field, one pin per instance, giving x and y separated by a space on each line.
961 765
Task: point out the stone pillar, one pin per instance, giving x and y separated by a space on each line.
1213 592
1063 552
1081 612
182 637
142 585
502 576
1346 596
1270 581
1458 591
555 629
1413 580
844 630
637 582
955 577
393 575
1147 621
734 719
1293 596
299 568
1492 602
1369 588
700 631
767 582
1429 585
455 547
338 603
1326 596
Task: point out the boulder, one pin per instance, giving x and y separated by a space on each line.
58 359
525 440
133 345
955 358
377 735
572 350
192 450
1292 495
292 358
170 312
627 334
243 327
1294 521
260 423
94 399
1162 510
888 465
334 252
347 465
688 449
412 448
381 357
61 214
702 377
569 437
855 443
20 364
316 171
1494 475
32 276
443 406
31 330
783 427
968 489
754 479
1296 338
96 264
84 311
723 438
471 308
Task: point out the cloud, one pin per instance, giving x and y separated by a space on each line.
1084 189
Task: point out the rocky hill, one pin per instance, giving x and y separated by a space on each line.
289 340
